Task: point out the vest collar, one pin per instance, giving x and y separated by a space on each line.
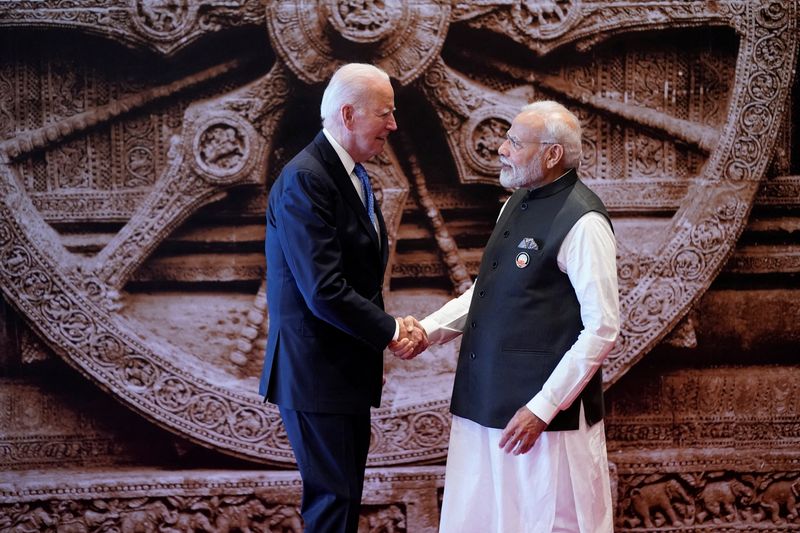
568 179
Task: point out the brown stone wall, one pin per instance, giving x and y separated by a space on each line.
138 142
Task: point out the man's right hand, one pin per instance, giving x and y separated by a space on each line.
412 340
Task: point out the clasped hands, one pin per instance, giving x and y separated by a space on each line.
412 340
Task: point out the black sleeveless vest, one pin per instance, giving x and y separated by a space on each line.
524 314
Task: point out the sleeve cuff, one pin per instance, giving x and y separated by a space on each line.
545 410
428 325
396 331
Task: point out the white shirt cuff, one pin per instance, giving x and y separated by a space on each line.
545 410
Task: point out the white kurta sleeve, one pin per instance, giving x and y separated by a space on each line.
448 322
588 255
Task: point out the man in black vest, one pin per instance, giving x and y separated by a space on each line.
527 445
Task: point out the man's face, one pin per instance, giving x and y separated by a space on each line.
373 121
522 153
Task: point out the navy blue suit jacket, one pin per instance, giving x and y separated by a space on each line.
327 327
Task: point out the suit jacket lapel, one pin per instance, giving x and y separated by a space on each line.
384 236
345 185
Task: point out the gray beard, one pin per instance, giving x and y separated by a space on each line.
523 177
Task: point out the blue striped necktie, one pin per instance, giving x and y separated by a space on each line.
361 172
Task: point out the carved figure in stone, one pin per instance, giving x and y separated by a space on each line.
187 523
221 144
659 497
162 15
35 519
72 526
387 520
285 519
240 517
146 519
719 499
781 494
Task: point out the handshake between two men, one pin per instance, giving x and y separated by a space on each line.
412 340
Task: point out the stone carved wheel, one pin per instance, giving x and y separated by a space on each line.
678 169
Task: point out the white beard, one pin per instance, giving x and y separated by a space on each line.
514 177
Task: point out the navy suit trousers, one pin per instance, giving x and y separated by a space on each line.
331 453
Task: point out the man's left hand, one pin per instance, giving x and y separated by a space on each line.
521 432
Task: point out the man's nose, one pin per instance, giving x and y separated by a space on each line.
503 149
392 124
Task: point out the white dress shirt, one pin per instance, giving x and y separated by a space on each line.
349 167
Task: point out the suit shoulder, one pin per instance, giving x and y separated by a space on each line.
305 170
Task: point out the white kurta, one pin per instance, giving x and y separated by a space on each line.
562 484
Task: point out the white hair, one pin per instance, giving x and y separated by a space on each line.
561 126
348 85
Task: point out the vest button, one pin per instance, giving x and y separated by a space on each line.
482 294
523 206
494 264
506 233
472 355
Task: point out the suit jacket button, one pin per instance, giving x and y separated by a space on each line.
506 233
523 206
482 294
472 355
474 324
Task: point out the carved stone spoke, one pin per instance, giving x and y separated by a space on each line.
219 148
702 234
475 121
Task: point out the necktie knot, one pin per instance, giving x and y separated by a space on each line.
369 198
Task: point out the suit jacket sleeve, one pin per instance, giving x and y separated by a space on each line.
306 226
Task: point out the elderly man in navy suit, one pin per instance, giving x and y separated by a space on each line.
326 252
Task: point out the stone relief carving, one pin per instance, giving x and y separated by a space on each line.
665 497
98 156
173 514
164 25
719 499
209 501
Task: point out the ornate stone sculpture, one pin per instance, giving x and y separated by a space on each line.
660 497
129 205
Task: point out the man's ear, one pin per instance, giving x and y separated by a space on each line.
554 155
348 115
